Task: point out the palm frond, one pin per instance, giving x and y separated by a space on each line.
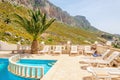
46 26
36 24
43 19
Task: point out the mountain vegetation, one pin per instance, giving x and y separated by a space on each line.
58 33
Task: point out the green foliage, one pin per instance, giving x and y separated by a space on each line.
6 9
107 36
61 33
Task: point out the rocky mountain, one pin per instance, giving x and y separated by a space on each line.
55 12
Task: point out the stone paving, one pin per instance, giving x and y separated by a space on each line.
66 68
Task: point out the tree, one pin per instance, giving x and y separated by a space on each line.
35 25
7 20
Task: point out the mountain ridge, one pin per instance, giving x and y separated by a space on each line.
55 12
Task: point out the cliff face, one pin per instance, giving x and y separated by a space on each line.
56 12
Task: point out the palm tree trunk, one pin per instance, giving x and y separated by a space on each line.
35 47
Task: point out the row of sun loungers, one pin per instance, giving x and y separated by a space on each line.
47 49
59 48
106 72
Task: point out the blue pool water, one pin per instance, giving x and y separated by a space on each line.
6 75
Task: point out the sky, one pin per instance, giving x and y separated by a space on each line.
102 14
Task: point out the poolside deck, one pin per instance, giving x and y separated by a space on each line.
67 68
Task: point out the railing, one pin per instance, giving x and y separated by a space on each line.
35 72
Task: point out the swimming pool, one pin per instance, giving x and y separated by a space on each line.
6 75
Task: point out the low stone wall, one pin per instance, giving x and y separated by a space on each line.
7 46
25 71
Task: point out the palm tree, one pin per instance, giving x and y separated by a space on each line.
35 25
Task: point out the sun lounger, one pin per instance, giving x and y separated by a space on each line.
46 49
57 49
100 57
74 49
105 73
87 50
106 61
99 73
